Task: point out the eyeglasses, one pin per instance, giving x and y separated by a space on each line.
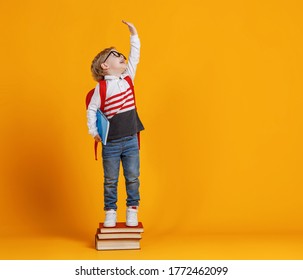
115 53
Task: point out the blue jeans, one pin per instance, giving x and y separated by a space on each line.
126 150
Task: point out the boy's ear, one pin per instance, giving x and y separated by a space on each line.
104 66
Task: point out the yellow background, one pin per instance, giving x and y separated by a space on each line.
219 90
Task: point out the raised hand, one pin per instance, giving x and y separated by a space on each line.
131 27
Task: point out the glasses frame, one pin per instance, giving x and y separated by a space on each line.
116 54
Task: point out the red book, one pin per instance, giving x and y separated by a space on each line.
120 227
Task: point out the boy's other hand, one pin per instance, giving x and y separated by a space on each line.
131 27
98 138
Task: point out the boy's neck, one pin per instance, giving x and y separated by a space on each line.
118 75
112 76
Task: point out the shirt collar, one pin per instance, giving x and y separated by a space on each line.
111 77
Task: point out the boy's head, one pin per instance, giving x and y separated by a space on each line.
108 62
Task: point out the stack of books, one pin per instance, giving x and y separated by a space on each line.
119 237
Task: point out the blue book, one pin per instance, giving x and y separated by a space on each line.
102 126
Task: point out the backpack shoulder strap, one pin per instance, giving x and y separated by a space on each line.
130 82
102 85
102 91
89 97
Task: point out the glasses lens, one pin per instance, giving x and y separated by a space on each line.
117 54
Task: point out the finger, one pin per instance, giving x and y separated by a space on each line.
127 23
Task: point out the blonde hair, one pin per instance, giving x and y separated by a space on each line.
96 68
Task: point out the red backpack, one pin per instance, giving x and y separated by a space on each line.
102 86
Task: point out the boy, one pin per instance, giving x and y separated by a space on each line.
122 143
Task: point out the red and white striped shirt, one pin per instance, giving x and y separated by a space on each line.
119 103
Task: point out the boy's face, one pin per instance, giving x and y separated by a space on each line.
116 63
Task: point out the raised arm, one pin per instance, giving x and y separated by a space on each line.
134 55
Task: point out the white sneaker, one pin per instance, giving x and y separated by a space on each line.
132 216
110 218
